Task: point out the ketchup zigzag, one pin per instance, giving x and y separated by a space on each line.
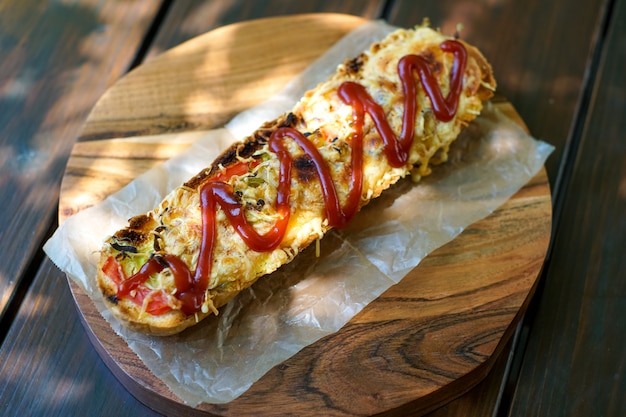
191 286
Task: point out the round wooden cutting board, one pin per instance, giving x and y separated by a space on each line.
422 343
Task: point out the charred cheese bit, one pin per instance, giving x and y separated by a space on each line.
156 241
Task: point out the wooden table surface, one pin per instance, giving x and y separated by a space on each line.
560 63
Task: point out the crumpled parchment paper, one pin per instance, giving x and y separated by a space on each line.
223 356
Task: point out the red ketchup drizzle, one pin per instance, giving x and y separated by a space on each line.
191 287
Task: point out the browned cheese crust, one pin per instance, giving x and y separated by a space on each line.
175 226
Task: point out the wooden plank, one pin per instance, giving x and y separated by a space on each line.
57 59
575 362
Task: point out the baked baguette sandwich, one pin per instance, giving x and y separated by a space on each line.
392 111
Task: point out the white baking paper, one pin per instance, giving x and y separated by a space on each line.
219 359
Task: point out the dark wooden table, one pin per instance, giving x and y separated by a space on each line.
560 63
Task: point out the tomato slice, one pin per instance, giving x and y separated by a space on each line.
113 270
158 301
238 168
157 304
